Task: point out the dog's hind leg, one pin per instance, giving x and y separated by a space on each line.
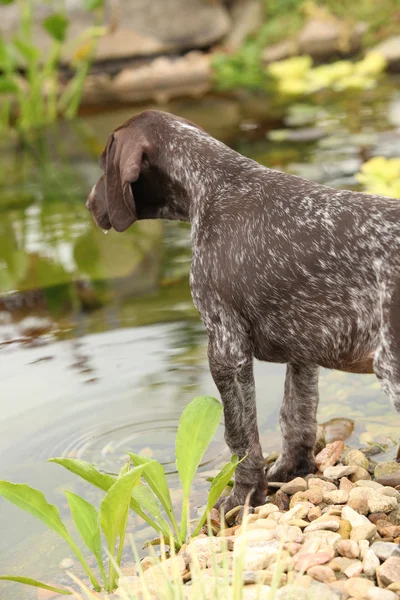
231 364
298 420
387 357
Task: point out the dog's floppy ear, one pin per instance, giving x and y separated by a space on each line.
123 158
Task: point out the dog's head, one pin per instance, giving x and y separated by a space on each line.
136 182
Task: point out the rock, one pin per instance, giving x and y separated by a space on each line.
377 502
344 529
314 513
359 473
370 563
246 16
375 517
364 547
265 510
357 587
291 592
256 592
325 486
296 485
326 538
355 519
338 429
329 455
394 516
286 533
253 538
299 523
322 38
307 560
66 563
322 525
390 491
354 570
390 49
358 499
313 495
395 587
348 549
339 471
356 457
346 484
383 469
340 563
389 571
279 51
393 480
365 483
336 497
282 500
266 524
386 529
379 594
322 573
363 532
299 511
385 550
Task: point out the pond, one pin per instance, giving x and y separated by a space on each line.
100 345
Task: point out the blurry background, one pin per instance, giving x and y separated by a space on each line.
100 346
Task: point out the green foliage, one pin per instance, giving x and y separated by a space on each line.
381 176
197 426
33 582
37 97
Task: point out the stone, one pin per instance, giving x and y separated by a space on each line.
299 511
265 510
386 529
322 38
299 523
366 483
348 549
390 49
390 491
355 519
370 563
327 538
296 485
282 500
394 516
379 594
279 51
322 573
359 473
246 16
256 592
344 529
340 563
266 524
291 592
329 455
339 471
363 532
346 484
354 570
364 547
287 533
382 469
394 587
375 517
253 538
314 513
338 428
358 587
385 550
389 571
322 525
326 486
377 502
356 457
336 497
358 499
303 562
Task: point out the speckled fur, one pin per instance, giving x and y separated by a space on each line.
283 269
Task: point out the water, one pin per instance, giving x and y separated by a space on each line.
100 345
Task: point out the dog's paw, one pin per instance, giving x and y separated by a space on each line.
242 495
283 470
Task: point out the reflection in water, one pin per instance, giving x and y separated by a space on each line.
100 345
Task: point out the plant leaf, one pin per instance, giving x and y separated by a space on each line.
93 4
197 425
154 474
33 582
34 502
8 85
90 474
147 501
28 51
56 26
86 519
115 505
6 1
125 468
218 484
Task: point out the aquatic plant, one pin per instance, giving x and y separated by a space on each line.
38 97
197 426
381 176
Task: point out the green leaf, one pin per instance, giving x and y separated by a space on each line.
34 502
28 51
56 26
114 514
86 520
6 1
93 4
147 501
154 474
197 425
217 486
33 582
8 85
90 474
125 468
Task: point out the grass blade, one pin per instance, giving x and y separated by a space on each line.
34 583
197 426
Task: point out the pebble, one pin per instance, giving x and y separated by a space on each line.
322 573
314 513
379 594
358 499
356 457
370 563
66 563
299 511
291 592
359 473
377 502
363 532
354 569
348 549
326 538
383 469
369 484
384 550
346 484
329 455
364 547
358 587
389 571
326 486
287 533
355 519
344 529
266 510
296 485
336 497
339 471
308 560
322 525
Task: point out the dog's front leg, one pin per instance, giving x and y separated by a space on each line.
298 424
231 365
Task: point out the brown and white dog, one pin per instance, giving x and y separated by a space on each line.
283 269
